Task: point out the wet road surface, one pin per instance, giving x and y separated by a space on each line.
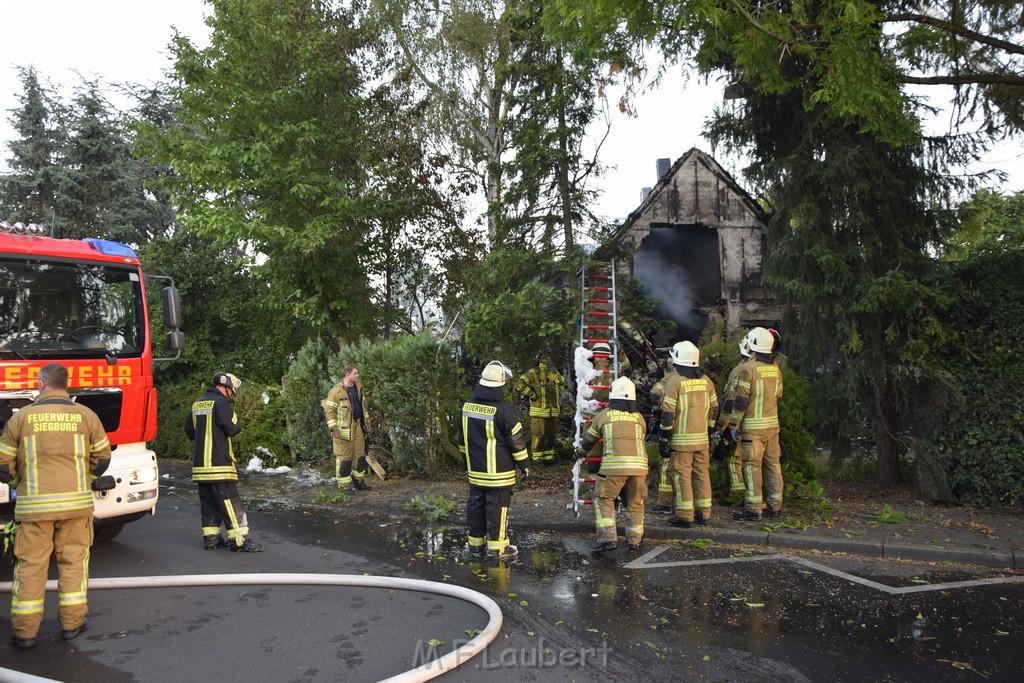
677 612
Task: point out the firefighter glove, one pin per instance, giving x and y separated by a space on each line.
712 432
526 472
783 453
663 449
5 474
8 539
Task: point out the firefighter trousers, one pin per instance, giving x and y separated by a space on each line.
692 481
68 539
219 504
487 517
762 470
666 496
350 457
634 490
542 438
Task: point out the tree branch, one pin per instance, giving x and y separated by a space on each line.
967 79
959 30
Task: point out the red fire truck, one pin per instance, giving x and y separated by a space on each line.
82 303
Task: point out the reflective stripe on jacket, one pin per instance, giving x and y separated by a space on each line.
338 409
52 448
689 408
758 389
492 439
543 386
623 451
211 425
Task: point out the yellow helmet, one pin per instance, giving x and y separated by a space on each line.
623 388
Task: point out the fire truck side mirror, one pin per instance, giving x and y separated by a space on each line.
172 307
175 340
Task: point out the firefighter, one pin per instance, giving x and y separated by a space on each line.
347 420
755 415
51 451
727 448
542 385
211 425
493 442
666 496
778 357
688 417
623 466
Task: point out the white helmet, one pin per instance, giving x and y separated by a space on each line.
760 340
745 348
602 347
495 374
623 388
685 353
226 379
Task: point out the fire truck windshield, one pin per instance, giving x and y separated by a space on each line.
59 308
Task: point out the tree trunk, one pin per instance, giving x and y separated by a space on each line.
888 472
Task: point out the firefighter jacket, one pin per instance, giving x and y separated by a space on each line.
492 439
658 394
338 409
211 425
623 430
758 389
542 385
54 449
729 396
688 410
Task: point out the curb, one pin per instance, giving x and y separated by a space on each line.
1003 559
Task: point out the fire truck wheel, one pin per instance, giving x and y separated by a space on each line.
107 533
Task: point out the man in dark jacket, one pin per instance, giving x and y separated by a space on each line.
211 425
493 443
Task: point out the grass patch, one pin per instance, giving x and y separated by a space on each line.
328 495
431 509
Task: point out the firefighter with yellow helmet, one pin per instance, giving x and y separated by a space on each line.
755 415
211 424
688 416
52 451
623 466
666 496
542 385
492 439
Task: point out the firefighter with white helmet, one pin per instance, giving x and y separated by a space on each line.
211 424
688 415
728 448
492 439
623 466
666 495
755 415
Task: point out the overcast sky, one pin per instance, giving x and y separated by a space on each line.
125 41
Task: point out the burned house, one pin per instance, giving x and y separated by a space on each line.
699 242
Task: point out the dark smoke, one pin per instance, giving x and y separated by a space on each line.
678 267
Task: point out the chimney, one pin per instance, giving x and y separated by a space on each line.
663 166
644 194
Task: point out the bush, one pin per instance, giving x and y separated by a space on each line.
413 388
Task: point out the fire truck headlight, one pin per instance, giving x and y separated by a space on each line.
136 496
143 475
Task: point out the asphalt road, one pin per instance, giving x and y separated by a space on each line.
674 612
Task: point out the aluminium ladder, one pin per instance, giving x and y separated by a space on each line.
597 288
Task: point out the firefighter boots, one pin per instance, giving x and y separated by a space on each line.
746 516
360 485
214 542
247 546
604 546
23 643
72 633
681 523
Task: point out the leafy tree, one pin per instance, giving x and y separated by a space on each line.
29 192
509 108
280 142
519 308
979 443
